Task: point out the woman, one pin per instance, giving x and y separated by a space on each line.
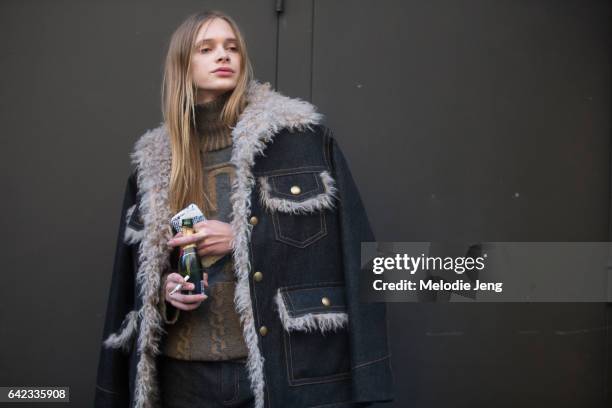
282 325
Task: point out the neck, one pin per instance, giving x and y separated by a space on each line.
213 133
208 96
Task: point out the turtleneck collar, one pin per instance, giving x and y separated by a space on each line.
214 134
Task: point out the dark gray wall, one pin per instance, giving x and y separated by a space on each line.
80 83
473 121
462 120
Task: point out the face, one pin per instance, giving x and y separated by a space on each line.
215 61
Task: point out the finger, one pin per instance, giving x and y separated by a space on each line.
199 225
175 277
180 241
188 298
218 248
179 298
205 279
184 286
176 304
171 284
183 306
189 306
209 242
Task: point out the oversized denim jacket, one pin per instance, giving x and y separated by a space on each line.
298 222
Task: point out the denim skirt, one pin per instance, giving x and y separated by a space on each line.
195 384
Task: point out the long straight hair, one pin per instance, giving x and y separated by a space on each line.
178 106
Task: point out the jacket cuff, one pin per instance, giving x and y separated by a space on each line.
169 313
373 381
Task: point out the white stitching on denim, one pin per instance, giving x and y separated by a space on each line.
107 391
332 405
367 363
234 398
311 285
293 170
296 382
300 244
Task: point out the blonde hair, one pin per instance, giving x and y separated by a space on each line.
178 107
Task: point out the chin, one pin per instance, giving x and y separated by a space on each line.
222 85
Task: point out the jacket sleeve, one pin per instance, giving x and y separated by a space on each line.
371 374
121 320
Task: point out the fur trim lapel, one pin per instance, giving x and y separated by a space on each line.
153 159
320 201
323 322
267 112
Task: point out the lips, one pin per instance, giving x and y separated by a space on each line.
223 70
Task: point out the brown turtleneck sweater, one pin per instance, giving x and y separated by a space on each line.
212 332
214 134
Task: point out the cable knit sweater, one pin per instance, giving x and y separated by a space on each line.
212 332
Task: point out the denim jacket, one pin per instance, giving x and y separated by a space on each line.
298 222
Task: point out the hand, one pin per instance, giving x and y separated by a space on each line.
179 300
211 237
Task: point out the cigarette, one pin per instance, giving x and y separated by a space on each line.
179 286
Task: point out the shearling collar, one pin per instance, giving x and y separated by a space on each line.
267 112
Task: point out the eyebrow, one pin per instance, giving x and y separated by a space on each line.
207 40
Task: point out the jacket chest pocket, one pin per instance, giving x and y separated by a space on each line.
297 202
315 320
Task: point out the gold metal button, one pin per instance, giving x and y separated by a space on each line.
258 276
325 301
263 330
253 220
295 190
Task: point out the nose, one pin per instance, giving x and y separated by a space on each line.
223 55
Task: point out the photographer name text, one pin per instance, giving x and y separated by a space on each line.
427 264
